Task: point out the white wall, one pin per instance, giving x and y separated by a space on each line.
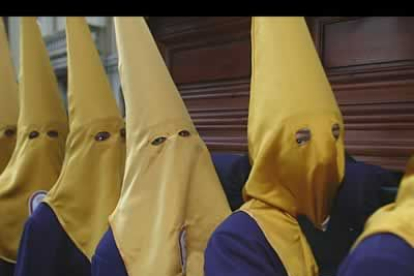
53 30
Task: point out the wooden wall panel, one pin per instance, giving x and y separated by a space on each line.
369 61
210 62
370 64
367 41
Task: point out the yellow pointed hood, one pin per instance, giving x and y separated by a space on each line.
8 101
171 199
95 148
295 138
42 128
40 102
395 218
161 97
88 82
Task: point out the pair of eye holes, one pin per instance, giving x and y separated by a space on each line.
101 136
159 140
104 135
304 135
51 133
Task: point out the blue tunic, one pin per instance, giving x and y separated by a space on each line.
358 198
46 250
239 247
107 261
6 268
380 255
233 171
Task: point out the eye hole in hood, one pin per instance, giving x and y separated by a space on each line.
336 131
303 136
158 141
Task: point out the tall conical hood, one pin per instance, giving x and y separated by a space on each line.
41 133
8 85
40 101
95 148
171 199
295 138
158 100
8 101
288 79
88 82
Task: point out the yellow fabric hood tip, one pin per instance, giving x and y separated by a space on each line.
90 94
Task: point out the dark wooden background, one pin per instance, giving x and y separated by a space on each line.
369 61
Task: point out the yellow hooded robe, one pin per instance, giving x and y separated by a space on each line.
171 198
42 128
89 186
295 139
8 101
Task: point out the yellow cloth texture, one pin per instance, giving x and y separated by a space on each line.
289 93
171 199
398 217
89 186
9 110
42 128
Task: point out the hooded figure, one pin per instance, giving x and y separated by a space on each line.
42 128
8 101
171 198
295 139
61 236
386 247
